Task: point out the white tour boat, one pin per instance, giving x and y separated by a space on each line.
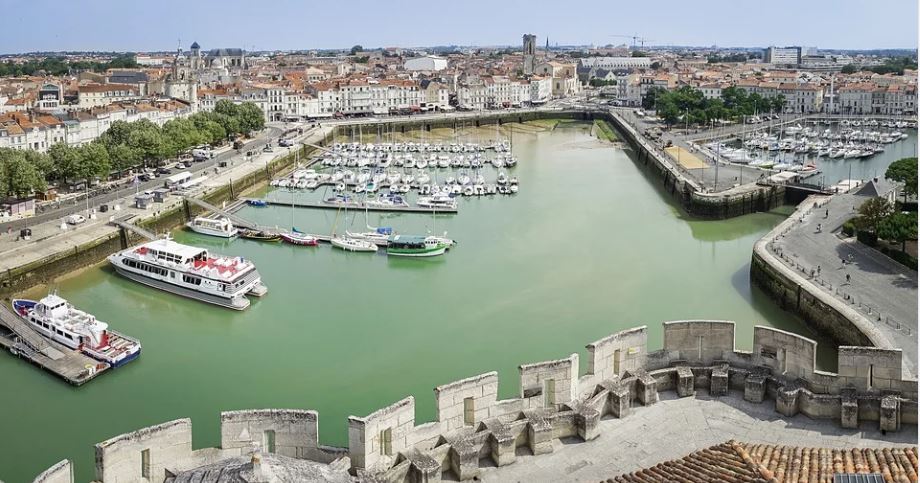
221 226
191 272
437 201
58 320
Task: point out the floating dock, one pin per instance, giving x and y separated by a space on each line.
24 342
358 206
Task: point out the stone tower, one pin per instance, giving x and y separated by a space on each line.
530 51
195 57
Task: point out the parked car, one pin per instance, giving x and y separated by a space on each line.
75 219
164 170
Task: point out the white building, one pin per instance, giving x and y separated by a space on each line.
616 63
427 63
782 55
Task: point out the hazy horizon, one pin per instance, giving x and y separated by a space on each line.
107 25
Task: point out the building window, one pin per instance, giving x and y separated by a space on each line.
145 463
386 442
469 411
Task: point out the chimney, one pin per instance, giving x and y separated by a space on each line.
257 465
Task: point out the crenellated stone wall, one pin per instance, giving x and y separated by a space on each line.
471 423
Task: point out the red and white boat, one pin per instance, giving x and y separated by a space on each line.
299 238
191 272
58 320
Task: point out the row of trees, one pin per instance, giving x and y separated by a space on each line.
688 104
123 146
891 66
59 66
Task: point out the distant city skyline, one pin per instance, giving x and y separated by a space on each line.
109 25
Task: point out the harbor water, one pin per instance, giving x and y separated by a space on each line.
589 246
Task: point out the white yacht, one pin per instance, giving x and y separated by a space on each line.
221 227
351 244
58 320
191 272
437 201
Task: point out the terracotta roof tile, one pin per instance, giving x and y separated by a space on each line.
759 463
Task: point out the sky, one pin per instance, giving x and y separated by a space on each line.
128 25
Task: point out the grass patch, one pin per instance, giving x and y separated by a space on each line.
604 130
544 123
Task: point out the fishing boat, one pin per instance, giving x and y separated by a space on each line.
351 244
219 227
260 235
58 320
415 246
295 237
257 203
191 272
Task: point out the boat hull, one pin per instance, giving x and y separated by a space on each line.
239 303
210 232
417 253
294 240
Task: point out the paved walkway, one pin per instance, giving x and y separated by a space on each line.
675 427
883 291
48 238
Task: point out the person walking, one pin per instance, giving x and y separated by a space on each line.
848 278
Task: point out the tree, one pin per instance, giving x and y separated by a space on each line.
65 162
94 161
19 177
849 69
250 117
656 65
899 227
872 212
904 171
356 49
148 144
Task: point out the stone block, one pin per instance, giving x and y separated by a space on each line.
718 381
423 468
464 458
685 386
889 418
787 401
646 389
619 401
849 412
501 442
539 432
587 420
755 386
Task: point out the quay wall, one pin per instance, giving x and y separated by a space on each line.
793 291
693 198
553 402
45 270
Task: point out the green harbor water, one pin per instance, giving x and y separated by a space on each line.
588 247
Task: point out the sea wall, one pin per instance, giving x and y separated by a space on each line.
47 269
472 423
693 198
795 293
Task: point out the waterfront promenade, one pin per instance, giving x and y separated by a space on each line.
877 290
675 427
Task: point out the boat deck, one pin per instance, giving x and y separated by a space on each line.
359 206
26 343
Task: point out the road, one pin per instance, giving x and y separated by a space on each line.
883 291
99 197
48 239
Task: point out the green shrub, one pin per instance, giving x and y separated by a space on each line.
867 238
849 228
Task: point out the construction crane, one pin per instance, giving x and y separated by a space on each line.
635 40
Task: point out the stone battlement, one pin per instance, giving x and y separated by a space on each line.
553 402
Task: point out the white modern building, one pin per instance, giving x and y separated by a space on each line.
427 63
